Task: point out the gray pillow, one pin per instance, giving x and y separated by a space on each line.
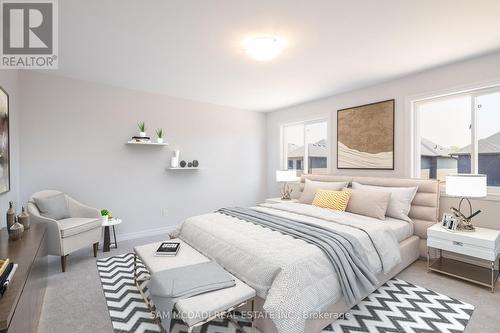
401 198
368 203
54 207
311 186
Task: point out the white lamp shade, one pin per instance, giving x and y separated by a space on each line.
283 176
466 185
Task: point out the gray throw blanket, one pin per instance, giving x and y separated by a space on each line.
341 248
171 285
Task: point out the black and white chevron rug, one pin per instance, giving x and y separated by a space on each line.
397 306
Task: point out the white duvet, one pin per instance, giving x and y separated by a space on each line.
295 278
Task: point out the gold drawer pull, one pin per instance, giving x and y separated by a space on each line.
458 243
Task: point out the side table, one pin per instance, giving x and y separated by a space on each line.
107 236
483 244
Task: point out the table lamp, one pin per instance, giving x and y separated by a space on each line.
285 177
466 186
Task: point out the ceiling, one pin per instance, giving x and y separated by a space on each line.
192 49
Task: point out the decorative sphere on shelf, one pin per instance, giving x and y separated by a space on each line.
195 163
183 164
190 164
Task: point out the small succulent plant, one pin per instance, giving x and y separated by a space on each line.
159 132
142 126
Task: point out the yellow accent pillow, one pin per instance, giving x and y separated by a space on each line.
336 200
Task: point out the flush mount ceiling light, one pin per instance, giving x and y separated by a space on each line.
264 48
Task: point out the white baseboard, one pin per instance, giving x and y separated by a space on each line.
146 233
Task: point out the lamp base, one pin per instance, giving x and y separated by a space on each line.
465 222
466 226
286 192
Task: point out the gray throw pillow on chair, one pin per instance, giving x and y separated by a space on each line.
54 207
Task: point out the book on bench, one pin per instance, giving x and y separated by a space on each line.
168 249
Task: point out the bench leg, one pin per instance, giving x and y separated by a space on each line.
135 268
236 324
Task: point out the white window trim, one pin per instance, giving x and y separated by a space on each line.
305 121
413 101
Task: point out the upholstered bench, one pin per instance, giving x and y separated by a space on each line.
200 309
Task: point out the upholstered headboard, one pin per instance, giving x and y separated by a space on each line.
424 210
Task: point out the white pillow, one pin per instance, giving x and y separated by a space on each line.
311 186
401 198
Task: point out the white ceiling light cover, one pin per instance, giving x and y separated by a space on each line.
264 48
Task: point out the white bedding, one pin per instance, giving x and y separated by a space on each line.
294 277
402 229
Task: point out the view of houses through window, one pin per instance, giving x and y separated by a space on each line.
305 147
451 127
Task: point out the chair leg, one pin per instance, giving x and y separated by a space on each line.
253 315
63 263
95 245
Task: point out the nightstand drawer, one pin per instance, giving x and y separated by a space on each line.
482 237
462 248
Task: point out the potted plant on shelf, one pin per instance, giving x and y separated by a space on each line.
105 215
142 129
159 134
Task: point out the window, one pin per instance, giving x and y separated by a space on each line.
305 147
293 144
488 135
444 130
459 134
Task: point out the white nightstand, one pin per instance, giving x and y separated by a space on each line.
483 244
278 200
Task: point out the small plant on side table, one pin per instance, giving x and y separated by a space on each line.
105 215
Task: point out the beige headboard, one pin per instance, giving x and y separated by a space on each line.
424 210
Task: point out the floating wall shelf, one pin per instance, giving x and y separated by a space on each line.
146 143
185 168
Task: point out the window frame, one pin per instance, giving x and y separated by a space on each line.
313 120
473 92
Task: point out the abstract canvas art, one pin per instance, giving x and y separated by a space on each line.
365 136
4 142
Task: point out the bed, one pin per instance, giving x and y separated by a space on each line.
293 277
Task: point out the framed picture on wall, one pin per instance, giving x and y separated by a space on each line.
4 142
365 136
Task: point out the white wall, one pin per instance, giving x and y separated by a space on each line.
10 83
73 139
478 71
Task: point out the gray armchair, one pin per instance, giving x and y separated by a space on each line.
67 235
